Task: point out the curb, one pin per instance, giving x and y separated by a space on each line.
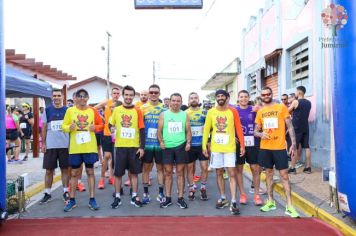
39 187
310 208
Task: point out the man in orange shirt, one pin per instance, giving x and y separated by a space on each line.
107 144
143 99
272 119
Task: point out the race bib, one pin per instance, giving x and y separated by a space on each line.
249 141
270 123
56 125
83 137
128 133
23 125
197 131
222 139
152 133
175 127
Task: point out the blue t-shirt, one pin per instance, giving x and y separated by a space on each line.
197 120
151 115
247 118
55 137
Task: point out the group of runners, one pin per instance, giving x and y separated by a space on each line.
135 137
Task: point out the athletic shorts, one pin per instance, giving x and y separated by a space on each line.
176 155
99 138
251 156
153 153
107 144
302 138
222 159
75 160
27 133
54 156
127 159
12 134
196 153
270 158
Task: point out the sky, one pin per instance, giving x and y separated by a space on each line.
188 46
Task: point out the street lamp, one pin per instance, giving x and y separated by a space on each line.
108 65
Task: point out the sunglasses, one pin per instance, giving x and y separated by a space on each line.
266 94
284 99
82 96
152 92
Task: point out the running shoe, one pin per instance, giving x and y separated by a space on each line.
292 212
257 200
167 202
136 202
111 180
225 175
25 158
117 202
269 205
299 164
81 187
160 197
127 182
307 170
181 203
146 199
243 199
92 205
234 209
10 161
66 197
203 195
70 206
121 191
101 183
196 178
222 203
191 195
46 198
292 171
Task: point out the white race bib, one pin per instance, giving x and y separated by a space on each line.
152 133
175 127
83 137
23 125
249 141
222 139
197 131
270 123
56 125
128 133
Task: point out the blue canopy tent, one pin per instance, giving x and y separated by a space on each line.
22 85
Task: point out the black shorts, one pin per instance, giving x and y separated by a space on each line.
153 153
176 155
251 156
99 138
107 144
270 158
126 159
196 153
54 156
302 138
12 134
27 133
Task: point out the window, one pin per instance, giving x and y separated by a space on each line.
271 66
299 64
252 81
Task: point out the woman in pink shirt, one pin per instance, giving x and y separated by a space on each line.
12 134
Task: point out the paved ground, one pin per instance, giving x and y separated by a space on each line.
104 199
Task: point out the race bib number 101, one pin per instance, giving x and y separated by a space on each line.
175 127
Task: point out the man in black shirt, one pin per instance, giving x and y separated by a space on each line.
300 110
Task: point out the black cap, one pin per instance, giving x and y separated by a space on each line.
223 92
81 90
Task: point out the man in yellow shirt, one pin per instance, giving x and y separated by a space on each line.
79 121
272 120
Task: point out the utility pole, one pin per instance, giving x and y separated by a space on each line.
154 72
108 67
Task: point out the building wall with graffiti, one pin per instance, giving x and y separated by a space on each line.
282 47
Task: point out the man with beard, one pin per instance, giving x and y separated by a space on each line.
143 99
223 122
272 119
175 137
129 144
197 120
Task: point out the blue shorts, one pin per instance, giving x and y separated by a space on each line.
75 160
